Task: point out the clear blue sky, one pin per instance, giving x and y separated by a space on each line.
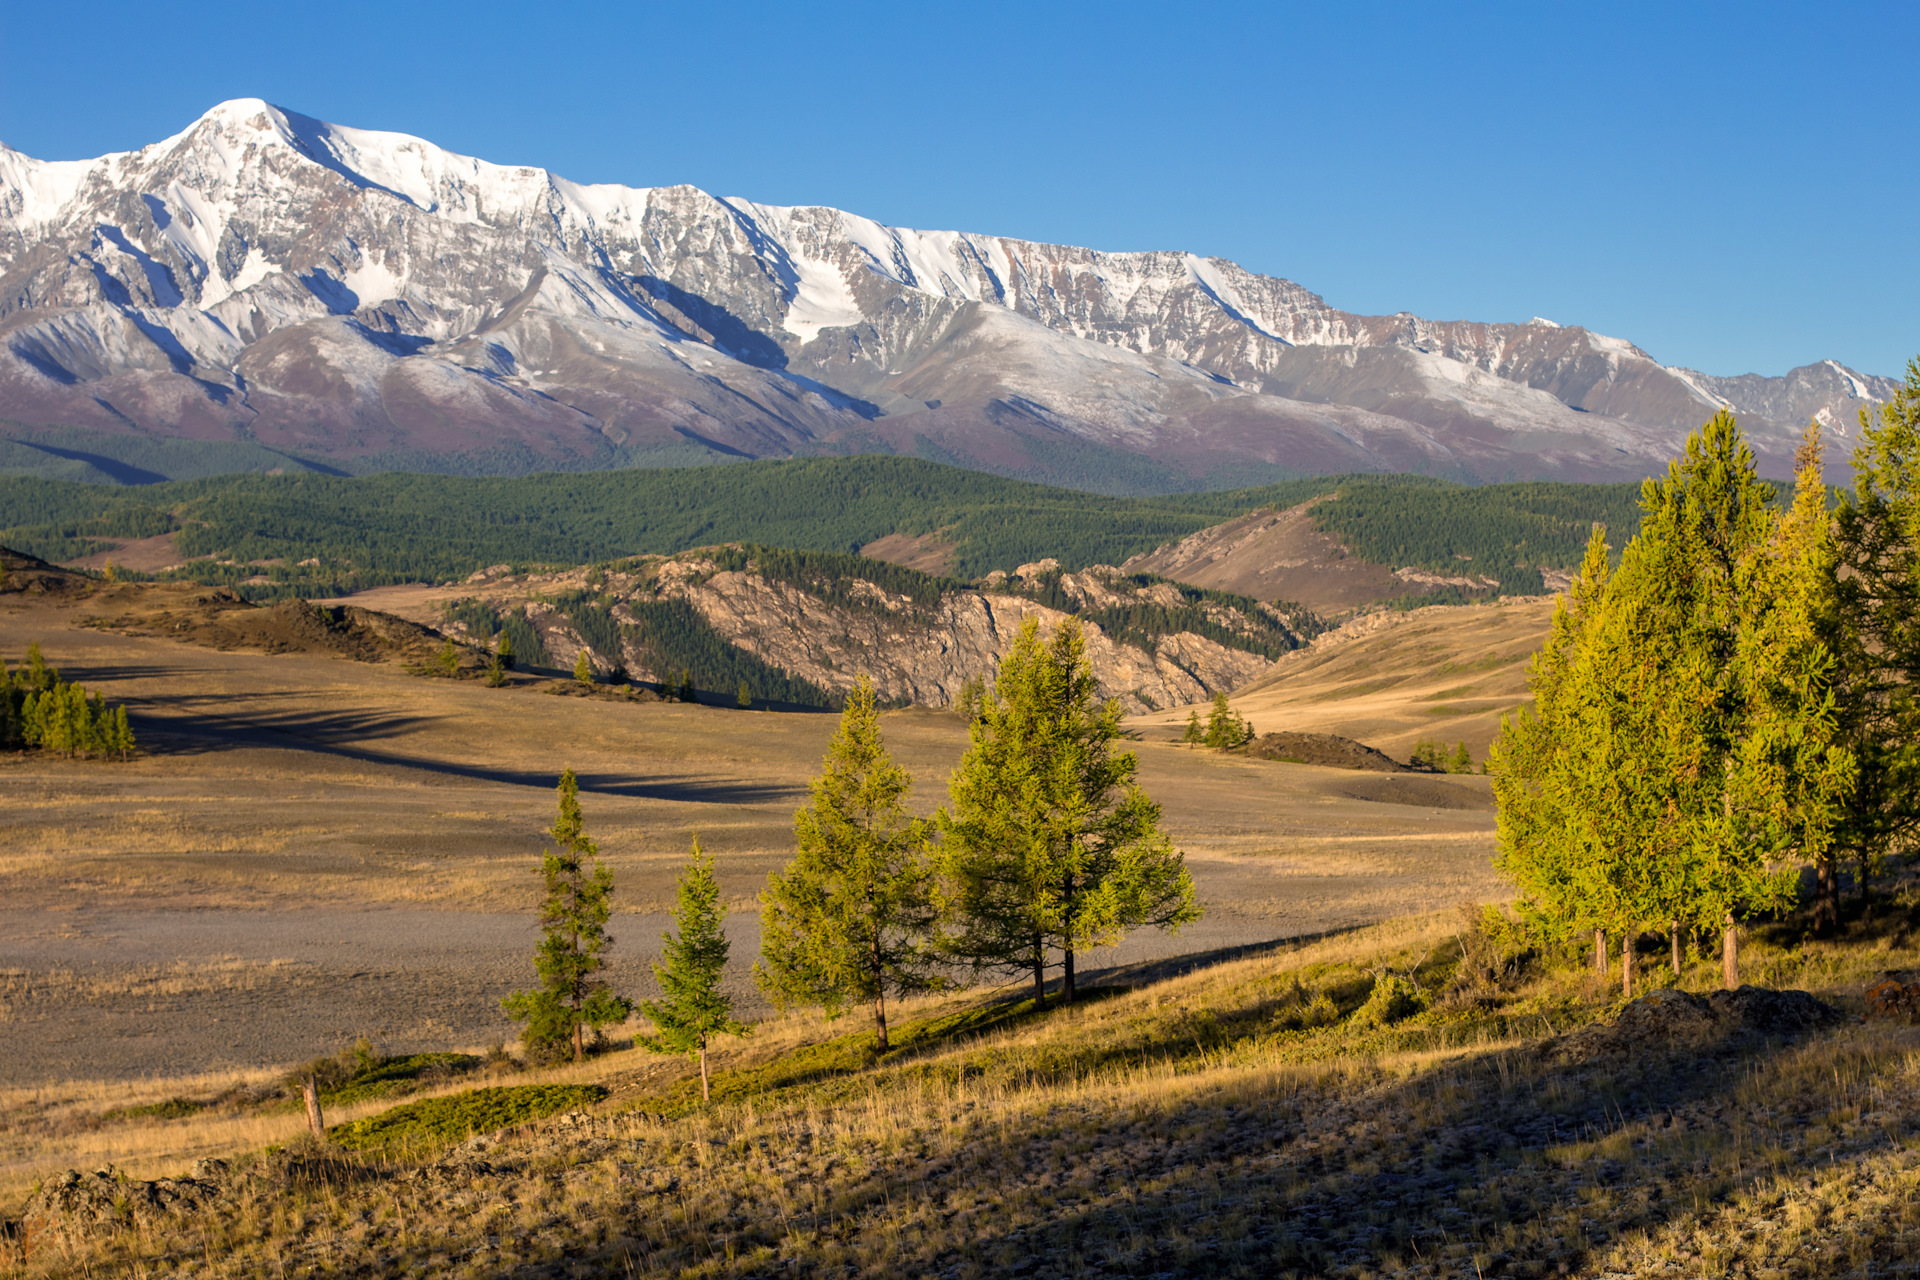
1732 186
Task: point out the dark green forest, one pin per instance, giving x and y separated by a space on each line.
395 527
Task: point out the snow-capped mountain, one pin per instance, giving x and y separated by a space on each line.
370 300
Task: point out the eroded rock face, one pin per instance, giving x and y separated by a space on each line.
914 653
1667 1020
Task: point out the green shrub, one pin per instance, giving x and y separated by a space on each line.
1393 999
433 1121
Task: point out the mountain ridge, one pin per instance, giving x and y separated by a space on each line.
359 298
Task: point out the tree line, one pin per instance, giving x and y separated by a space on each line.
38 709
1735 701
399 527
1047 847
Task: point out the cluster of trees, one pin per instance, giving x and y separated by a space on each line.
1048 847
39 709
1732 703
1429 754
1504 531
1224 729
1269 633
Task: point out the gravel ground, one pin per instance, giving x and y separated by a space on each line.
130 994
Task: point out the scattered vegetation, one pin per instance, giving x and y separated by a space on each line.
435 1122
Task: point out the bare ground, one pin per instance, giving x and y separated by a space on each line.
313 848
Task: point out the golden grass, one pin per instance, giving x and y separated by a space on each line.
1175 1128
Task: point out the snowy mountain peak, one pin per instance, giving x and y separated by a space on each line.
363 295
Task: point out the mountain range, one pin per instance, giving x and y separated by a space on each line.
275 291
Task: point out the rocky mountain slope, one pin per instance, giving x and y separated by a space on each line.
367 300
826 621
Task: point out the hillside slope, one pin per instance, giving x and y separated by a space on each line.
1390 679
823 621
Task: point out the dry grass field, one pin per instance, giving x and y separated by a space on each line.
311 848
1389 679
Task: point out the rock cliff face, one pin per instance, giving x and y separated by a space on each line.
915 652
370 299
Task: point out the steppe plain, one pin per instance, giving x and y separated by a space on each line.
311 848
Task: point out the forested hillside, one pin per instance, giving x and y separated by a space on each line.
375 530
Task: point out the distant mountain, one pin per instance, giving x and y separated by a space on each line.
264 289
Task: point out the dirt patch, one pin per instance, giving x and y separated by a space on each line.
1423 792
1667 1020
145 555
929 553
1328 749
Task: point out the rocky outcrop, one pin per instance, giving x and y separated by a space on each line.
914 652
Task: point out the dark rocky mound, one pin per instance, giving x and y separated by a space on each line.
23 574
1325 749
1666 1019
1423 792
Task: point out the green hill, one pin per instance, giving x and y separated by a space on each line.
397 527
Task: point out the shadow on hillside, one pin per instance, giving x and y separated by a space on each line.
183 728
1458 1169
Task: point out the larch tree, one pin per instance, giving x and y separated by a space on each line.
1681 753
1049 844
1877 638
849 919
692 1009
572 995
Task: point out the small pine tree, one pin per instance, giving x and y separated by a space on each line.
1461 761
503 652
685 692
572 996
583 669
40 677
1223 727
693 1009
1195 734
122 734
448 659
496 672
847 921
744 698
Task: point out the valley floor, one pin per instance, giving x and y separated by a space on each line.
311 848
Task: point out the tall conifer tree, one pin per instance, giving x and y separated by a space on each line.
848 920
572 995
1050 846
1877 638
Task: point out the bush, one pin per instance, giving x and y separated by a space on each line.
1393 999
456 1117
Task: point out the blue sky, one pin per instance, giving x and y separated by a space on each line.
1733 187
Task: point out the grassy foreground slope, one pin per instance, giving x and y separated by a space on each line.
1403 1101
397 527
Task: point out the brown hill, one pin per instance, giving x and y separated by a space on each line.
1281 555
1389 679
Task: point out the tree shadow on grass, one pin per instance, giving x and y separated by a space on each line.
186 728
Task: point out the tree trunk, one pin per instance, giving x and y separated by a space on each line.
1066 985
1864 890
880 1019
1673 937
1626 965
1600 952
1730 955
1826 899
316 1125
578 1045
706 1092
1039 973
